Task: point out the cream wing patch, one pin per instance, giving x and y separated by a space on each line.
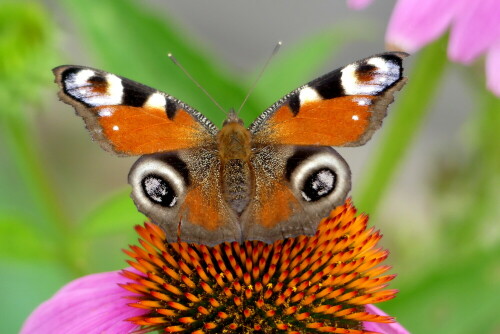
308 94
80 86
156 101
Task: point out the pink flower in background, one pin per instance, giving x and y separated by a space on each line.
392 328
474 27
91 304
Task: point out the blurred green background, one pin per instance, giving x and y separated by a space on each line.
430 179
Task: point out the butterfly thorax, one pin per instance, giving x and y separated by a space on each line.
233 139
234 150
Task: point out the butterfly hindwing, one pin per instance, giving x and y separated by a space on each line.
295 186
181 192
129 118
341 108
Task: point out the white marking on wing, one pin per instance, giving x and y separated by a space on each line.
362 101
105 112
114 92
79 79
350 80
77 86
308 94
156 100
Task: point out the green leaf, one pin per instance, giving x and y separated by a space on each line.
107 230
26 54
20 240
25 285
111 246
458 297
116 215
406 117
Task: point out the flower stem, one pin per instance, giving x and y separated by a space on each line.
483 173
406 118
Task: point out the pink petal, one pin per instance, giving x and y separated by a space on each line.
475 27
91 304
414 23
493 68
358 4
393 328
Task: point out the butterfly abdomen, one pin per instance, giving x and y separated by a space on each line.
234 150
237 184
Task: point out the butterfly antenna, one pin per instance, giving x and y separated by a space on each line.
172 58
275 51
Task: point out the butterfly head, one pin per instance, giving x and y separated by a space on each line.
232 117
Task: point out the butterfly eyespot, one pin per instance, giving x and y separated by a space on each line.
159 185
159 190
319 176
319 184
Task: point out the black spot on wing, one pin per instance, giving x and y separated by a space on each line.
365 68
329 85
135 94
294 103
395 58
300 154
97 80
178 164
171 109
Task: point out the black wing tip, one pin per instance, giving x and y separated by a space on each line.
397 57
62 72
62 68
400 54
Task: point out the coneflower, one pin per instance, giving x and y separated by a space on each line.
318 284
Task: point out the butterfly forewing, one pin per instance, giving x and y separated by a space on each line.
129 118
341 108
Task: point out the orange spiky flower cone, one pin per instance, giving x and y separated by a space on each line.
317 284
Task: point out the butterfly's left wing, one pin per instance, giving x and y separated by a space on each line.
341 108
128 118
